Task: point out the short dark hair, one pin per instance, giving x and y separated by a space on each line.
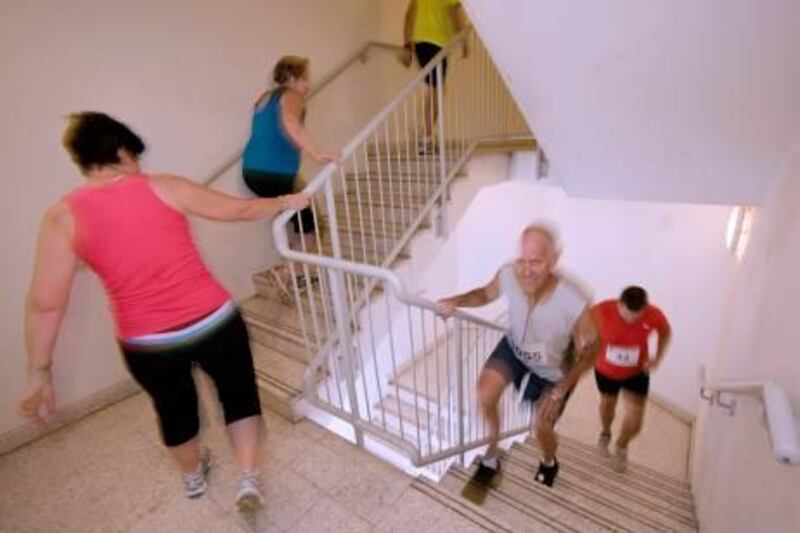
93 140
289 67
634 298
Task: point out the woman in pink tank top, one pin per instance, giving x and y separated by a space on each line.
170 313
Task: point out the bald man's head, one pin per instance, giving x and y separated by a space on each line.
538 255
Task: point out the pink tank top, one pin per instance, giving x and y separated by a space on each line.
143 252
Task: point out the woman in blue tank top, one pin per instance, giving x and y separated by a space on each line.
271 158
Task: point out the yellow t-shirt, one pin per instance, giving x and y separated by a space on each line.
434 23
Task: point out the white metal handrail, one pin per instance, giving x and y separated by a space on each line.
778 411
380 357
359 55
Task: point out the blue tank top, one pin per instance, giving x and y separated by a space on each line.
269 148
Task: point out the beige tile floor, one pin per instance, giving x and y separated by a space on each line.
109 472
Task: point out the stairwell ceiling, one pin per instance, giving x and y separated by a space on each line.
658 100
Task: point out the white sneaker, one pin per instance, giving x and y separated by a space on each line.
249 496
620 460
602 444
195 484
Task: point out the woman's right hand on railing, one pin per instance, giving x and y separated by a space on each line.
295 201
330 156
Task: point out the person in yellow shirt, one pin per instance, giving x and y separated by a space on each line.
429 27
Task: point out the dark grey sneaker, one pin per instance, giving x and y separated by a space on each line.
195 484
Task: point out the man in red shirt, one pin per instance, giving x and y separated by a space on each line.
625 326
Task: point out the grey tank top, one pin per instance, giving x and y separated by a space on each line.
540 334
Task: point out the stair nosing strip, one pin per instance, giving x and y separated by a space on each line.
427 487
686 515
602 502
519 506
676 496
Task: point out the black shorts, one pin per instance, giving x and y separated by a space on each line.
638 384
272 185
425 52
166 375
504 361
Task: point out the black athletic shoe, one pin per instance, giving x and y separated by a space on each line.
484 474
546 474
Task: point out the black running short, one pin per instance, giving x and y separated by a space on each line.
271 185
504 361
638 384
425 52
223 352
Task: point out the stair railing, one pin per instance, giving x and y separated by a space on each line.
362 328
778 411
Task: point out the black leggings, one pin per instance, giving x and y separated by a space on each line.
166 375
270 185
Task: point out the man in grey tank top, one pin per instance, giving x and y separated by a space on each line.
552 340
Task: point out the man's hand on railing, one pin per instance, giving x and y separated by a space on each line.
445 308
295 201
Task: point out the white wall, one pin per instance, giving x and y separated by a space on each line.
664 100
738 486
676 251
184 75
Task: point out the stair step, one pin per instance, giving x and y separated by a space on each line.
410 412
596 467
523 515
392 228
598 488
280 379
476 514
413 179
653 475
357 253
273 323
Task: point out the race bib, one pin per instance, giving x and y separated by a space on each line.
536 354
622 355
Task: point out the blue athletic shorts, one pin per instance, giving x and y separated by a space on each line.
504 361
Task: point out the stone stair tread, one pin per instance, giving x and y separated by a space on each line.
599 487
397 406
274 316
590 450
522 515
285 370
475 513
625 512
598 467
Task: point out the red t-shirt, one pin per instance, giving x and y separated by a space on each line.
623 345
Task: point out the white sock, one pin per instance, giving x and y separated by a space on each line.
489 462
548 464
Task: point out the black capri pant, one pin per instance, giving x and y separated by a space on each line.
166 375
271 185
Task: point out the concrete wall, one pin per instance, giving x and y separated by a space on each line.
737 483
665 100
184 75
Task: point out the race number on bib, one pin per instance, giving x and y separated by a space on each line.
622 355
536 354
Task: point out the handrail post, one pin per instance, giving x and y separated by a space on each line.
441 219
459 388
341 315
